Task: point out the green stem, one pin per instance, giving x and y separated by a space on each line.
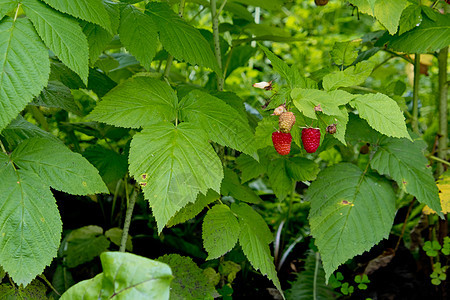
126 226
49 284
362 88
415 109
116 192
215 27
443 109
17 11
291 200
3 147
316 274
439 160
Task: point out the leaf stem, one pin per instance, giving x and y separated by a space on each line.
415 109
126 226
316 274
439 160
17 11
404 224
221 7
49 284
3 147
443 108
116 192
215 27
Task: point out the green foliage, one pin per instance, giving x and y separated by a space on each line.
432 248
111 165
439 273
231 186
362 280
345 53
35 290
353 75
57 95
115 236
446 247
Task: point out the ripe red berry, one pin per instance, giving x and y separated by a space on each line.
282 142
311 139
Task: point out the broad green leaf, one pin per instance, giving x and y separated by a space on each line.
353 75
360 131
279 179
111 165
404 161
302 169
193 209
115 236
188 282
180 39
382 113
345 53
279 65
411 17
264 130
254 239
231 186
30 223
89 10
129 276
388 12
220 231
310 283
85 290
249 167
137 102
24 67
223 123
98 38
61 34
308 100
36 290
7 6
113 9
57 95
139 34
350 212
178 163
429 36
84 244
340 120
59 167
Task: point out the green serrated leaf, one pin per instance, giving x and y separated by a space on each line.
220 231
84 244
249 167
254 239
353 75
189 282
279 179
382 113
57 95
345 53
89 10
137 102
411 17
340 120
7 6
24 67
178 162
231 186
264 130
30 222
85 290
59 167
111 165
360 131
61 34
302 169
279 66
193 209
98 38
343 200
139 33
404 161
388 12
180 39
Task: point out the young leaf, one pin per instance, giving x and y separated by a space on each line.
388 12
353 75
279 66
345 53
223 123
137 102
403 160
411 17
189 281
279 179
61 34
139 34
220 231
382 113
89 10
30 221
59 167
263 132
178 162
254 238
24 67
180 39
343 200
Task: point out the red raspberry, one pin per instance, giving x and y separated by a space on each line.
282 142
311 139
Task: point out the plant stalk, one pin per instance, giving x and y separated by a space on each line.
215 27
415 109
443 109
126 225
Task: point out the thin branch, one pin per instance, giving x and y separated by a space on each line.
215 27
415 109
126 226
404 224
221 8
443 108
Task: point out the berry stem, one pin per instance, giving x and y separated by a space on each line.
126 226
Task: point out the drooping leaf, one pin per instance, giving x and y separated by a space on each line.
189 282
264 130
350 212
231 186
84 244
404 161
302 169
139 33
98 38
389 12
24 67
353 75
193 209
249 167
61 34
279 179
111 165
223 123
345 53
31 227
180 39
89 10
85 290
360 131
411 17
178 163
340 120
279 66
382 113
59 167
137 102
254 239
220 231
57 95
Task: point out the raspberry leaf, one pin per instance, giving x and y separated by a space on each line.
231 186
220 231
179 163
342 201
279 179
353 75
404 161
